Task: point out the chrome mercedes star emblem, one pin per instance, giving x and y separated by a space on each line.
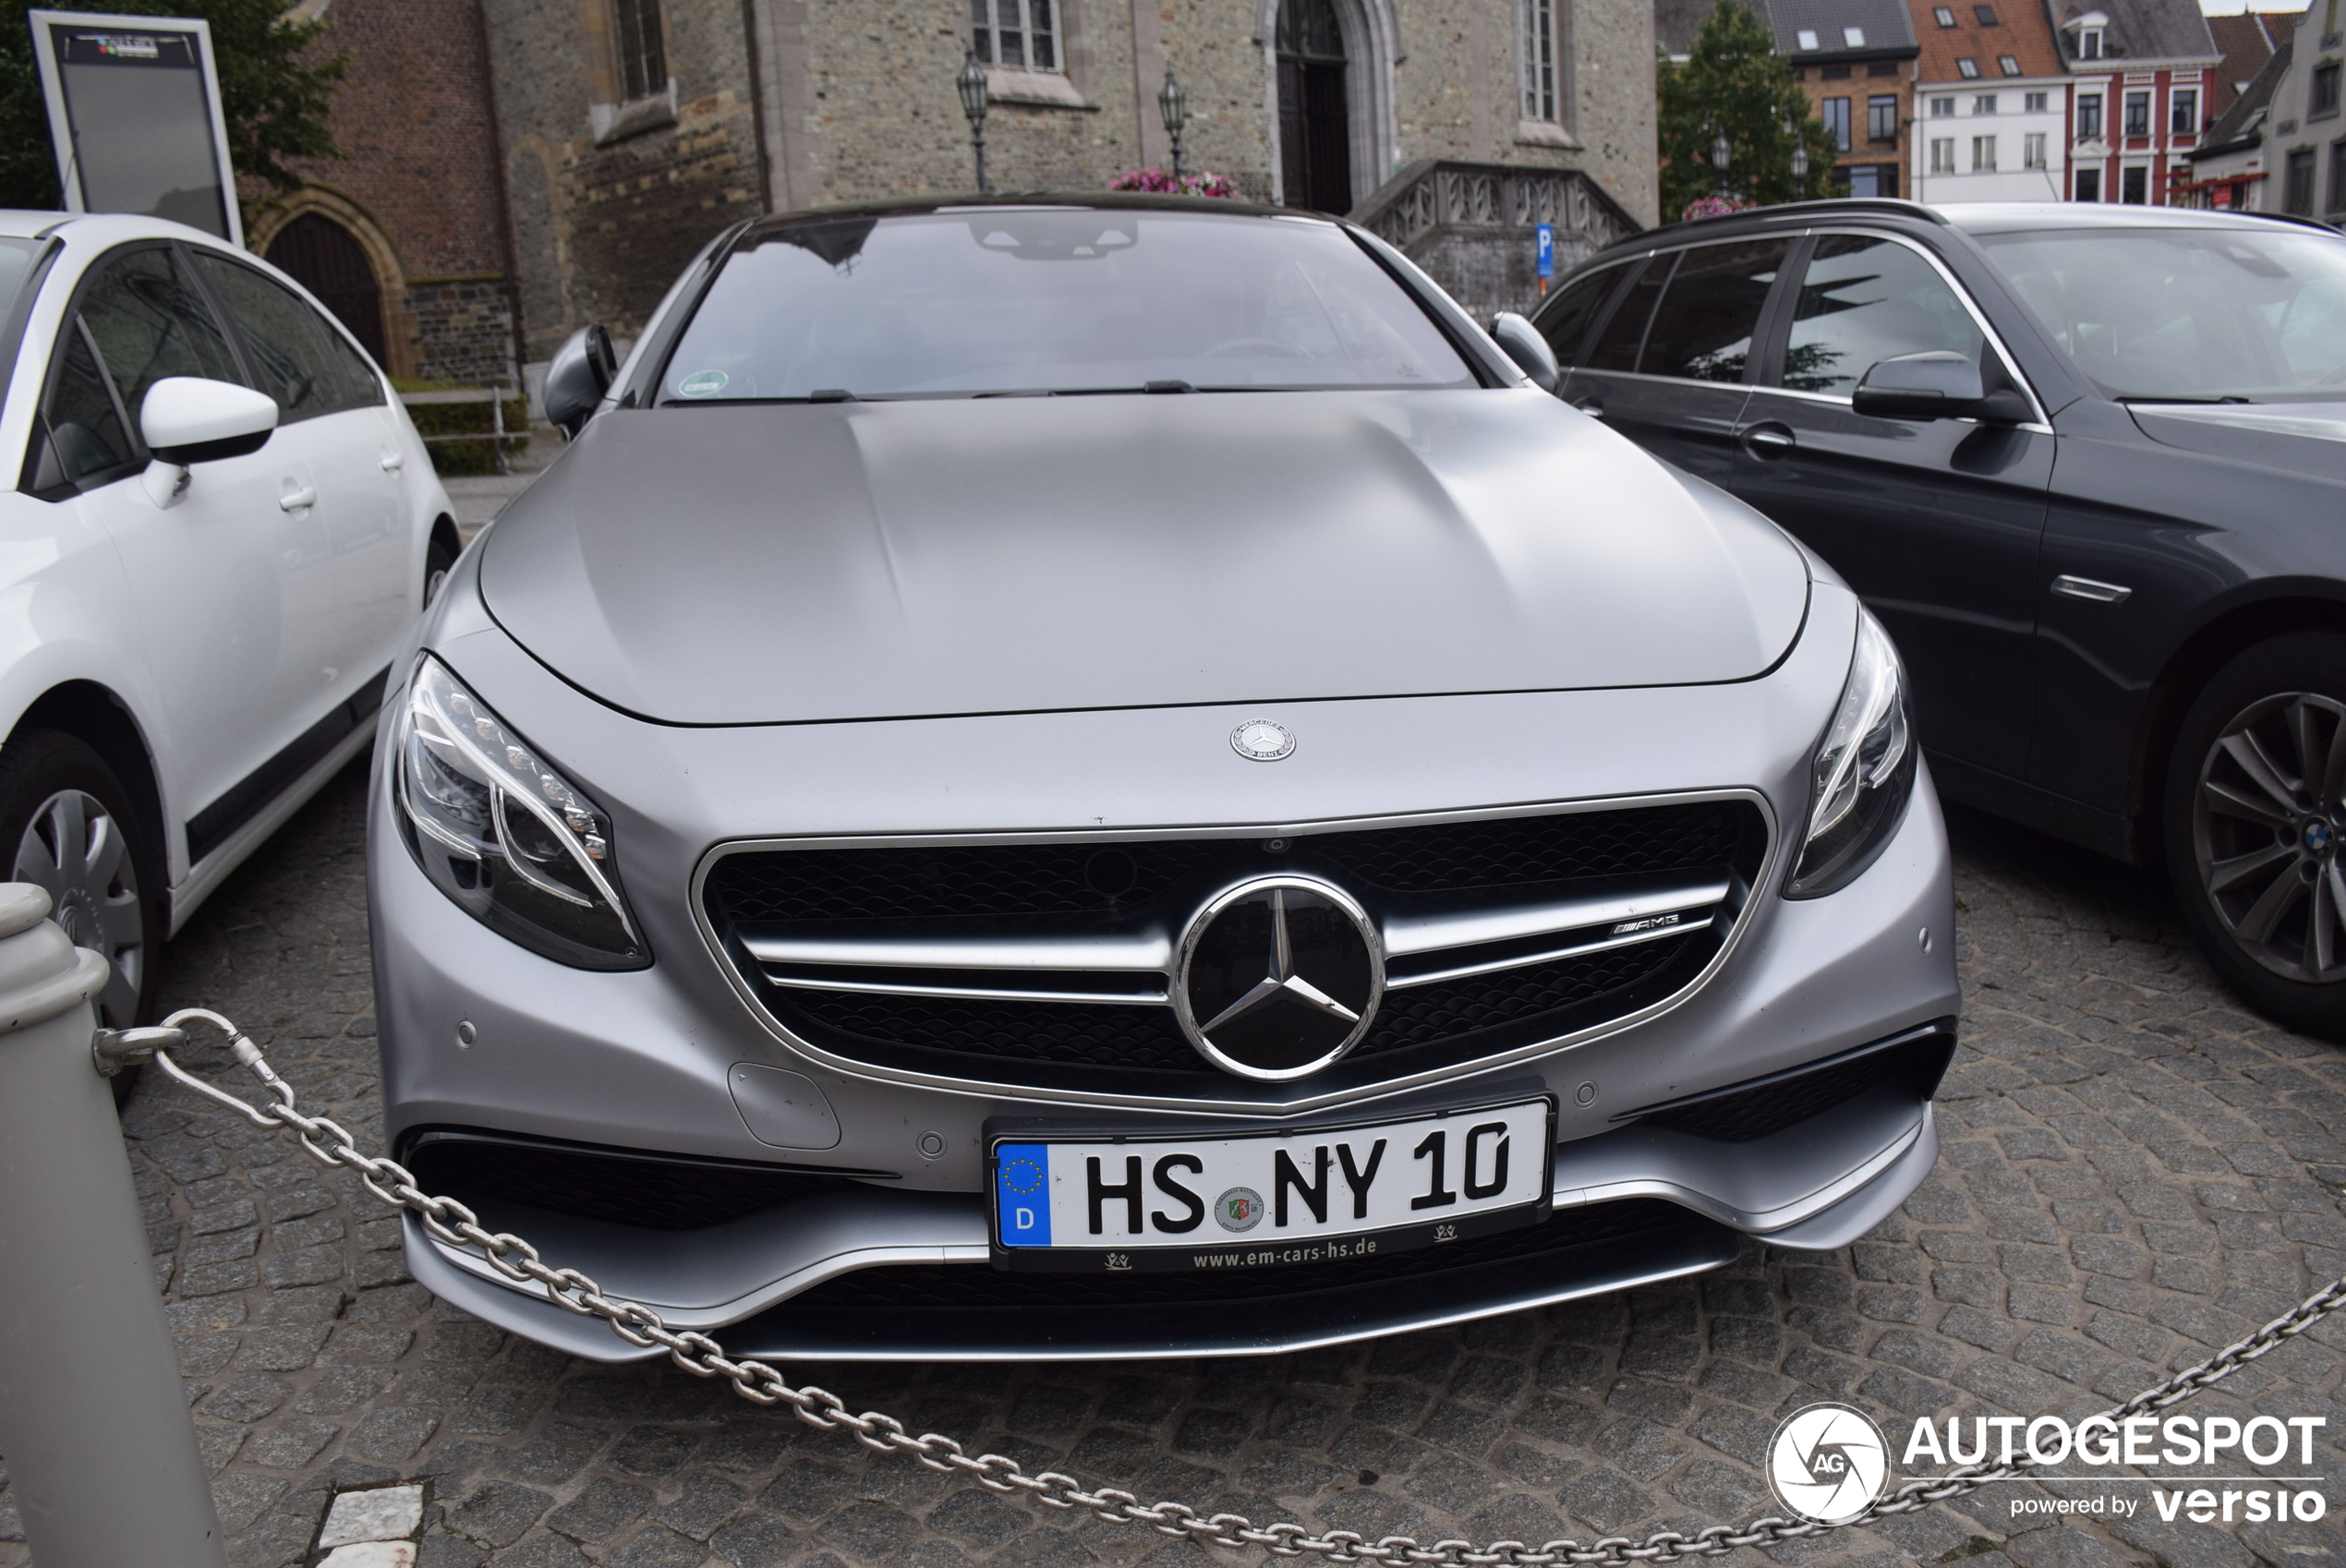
1279 977
1259 739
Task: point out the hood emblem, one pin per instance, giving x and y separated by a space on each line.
1278 977
1259 739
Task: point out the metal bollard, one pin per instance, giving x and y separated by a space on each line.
94 1427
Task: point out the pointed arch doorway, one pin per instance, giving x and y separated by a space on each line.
324 259
1315 110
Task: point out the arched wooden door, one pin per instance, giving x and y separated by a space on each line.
1315 118
324 259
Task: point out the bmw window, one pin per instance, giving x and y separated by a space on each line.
2188 313
1703 329
1864 299
1566 322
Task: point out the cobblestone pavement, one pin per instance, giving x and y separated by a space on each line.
2136 1170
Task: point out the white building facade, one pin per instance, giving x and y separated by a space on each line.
1992 139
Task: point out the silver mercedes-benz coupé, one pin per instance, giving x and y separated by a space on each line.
1087 777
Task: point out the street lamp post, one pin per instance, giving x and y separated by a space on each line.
1720 153
1800 170
971 83
1173 103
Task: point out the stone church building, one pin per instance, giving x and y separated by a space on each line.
632 131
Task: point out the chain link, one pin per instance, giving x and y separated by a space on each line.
761 1384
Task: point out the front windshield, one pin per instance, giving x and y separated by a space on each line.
2189 315
1011 300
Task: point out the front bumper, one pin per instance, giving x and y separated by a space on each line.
896 1268
885 1276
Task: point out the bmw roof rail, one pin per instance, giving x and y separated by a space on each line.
1887 205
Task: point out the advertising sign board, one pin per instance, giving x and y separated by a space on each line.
134 114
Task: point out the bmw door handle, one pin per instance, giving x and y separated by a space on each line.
298 499
1768 440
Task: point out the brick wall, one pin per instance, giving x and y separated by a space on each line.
420 168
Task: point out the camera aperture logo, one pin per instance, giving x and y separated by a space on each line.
1826 1462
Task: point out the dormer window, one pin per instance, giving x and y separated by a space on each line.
2089 43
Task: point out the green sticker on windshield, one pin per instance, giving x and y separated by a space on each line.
702 383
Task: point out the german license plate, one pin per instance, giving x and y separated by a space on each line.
1266 1199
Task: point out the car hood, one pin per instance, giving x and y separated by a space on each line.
2300 437
789 563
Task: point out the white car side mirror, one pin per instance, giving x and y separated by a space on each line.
188 419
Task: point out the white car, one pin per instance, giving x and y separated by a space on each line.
223 526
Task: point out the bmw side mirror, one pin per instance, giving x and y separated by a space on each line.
1527 348
1934 384
580 373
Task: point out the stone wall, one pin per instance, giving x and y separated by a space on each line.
786 104
610 206
463 328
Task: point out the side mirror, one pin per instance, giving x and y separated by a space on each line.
1527 349
1936 384
580 373
188 419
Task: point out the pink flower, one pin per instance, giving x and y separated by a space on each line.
1158 182
1714 207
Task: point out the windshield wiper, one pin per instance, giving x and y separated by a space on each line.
2228 397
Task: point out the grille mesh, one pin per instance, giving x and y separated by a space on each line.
966 1287
922 883
658 1194
953 883
1138 1039
1462 856
1148 1040
1739 1116
1425 1014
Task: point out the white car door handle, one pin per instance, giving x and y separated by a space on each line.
393 463
296 501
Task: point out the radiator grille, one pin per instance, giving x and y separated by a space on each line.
1533 988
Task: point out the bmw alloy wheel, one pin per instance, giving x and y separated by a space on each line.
2267 820
75 850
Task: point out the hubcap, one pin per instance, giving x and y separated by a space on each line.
74 849
2265 827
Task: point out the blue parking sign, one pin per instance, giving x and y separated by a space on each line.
1547 240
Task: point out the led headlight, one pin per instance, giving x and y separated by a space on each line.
506 836
1863 772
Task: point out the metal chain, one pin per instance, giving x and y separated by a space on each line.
761 1384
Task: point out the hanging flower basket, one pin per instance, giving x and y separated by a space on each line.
1158 181
1715 206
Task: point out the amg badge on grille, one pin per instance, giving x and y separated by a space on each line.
1279 977
1259 739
